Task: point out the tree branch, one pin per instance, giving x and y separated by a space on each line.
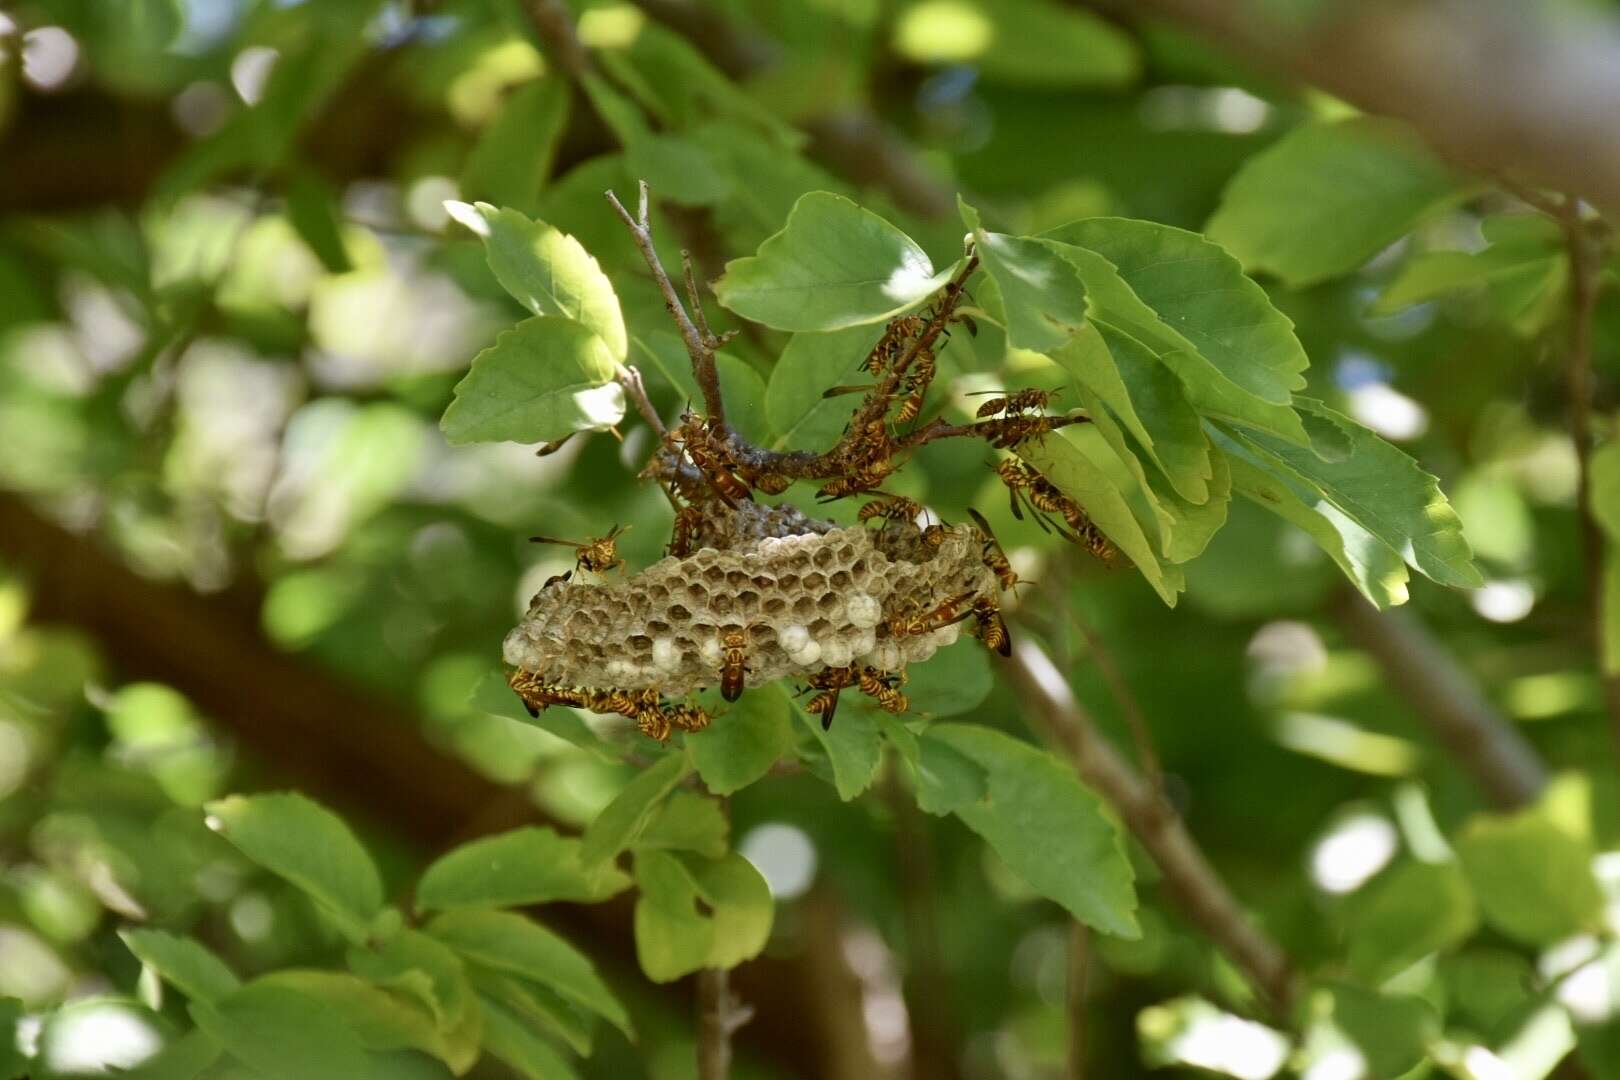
1199 891
554 26
1495 85
719 1017
1079 957
1488 747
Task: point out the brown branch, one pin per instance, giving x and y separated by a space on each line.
1487 746
697 348
1199 891
1495 85
719 1017
1079 956
629 377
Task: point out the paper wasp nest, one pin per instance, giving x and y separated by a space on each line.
808 594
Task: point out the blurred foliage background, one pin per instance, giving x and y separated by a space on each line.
236 553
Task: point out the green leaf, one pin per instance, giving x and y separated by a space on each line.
513 156
955 680
539 1009
742 743
295 838
1520 282
383 1019
1325 198
832 266
1379 488
1532 871
622 820
687 822
1406 913
1041 291
545 378
799 416
509 1039
1201 292
530 865
1048 828
280 1032
943 778
853 746
547 271
312 209
1372 566
422 968
1079 473
1216 385
1604 500
678 169
1116 371
695 913
184 962
1392 1031
503 941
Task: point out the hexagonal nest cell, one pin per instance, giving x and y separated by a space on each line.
806 594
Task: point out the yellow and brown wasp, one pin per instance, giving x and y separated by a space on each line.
865 478
698 437
537 694
1021 482
907 623
688 717
991 627
994 557
890 508
1019 401
598 556
880 687
831 682
688 520
733 662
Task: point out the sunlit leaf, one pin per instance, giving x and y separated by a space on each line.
1325 198
1080 476
293 837
687 821
833 265
852 744
1406 913
383 1019
547 271
800 418
1379 488
546 378
1042 296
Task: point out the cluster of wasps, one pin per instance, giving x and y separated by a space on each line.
702 469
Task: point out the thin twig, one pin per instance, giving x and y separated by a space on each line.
629 377
1487 746
720 1014
1188 875
697 348
1075 997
